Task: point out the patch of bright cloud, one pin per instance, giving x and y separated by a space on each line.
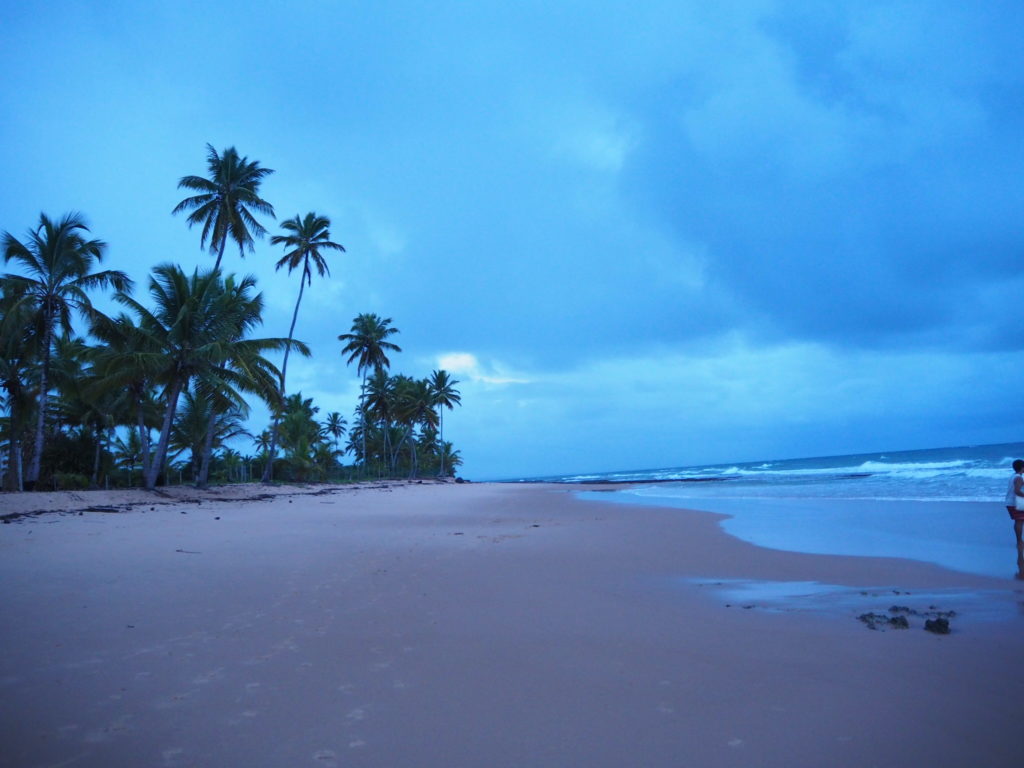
467 364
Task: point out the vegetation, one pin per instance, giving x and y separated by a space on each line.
306 238
157 392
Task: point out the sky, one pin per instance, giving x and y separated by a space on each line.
640 235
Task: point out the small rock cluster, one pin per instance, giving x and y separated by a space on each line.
896 618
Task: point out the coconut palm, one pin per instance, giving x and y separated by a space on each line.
335 427
233 464
414 406
367 346
198 417
243 367
300 434
306 239
380 404
262 441
128 452
226 201
445 395
196 331
450 456
58 260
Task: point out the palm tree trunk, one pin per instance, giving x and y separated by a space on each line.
19 470
220 253
204 467
20 458
165 435
362 416
44 383
269 468
440 445
96 459
143 435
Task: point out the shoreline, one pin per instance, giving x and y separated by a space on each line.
473 624
15 505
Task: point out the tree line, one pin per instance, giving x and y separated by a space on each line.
154 393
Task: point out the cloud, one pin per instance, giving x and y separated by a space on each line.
467 364
735 400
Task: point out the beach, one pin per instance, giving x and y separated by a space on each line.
442 624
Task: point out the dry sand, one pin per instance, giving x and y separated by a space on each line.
470 625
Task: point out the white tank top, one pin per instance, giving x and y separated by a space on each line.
1011 497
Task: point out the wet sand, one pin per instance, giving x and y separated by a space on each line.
474 625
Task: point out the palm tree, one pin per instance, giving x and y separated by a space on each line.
380 403
82 400
118 363
128 452
226 200
368 344
299 433
414 407
58 260
445 395
201 421
450 456
232 461
242 367
335 427
262 441
307 238
197 331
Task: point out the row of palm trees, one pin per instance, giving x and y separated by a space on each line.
184 364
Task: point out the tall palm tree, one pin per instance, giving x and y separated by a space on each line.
306 238
58 260
195 331
367 346
445 395
226 200
242 367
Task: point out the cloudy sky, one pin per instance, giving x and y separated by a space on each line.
640 234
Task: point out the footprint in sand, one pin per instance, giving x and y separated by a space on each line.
326 757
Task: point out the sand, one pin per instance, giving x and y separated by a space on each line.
474 625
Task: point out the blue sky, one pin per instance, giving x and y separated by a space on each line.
639 234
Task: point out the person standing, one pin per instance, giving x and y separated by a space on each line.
1015 506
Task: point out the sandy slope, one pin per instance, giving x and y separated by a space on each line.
469 625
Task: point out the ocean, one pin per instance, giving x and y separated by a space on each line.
941 505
